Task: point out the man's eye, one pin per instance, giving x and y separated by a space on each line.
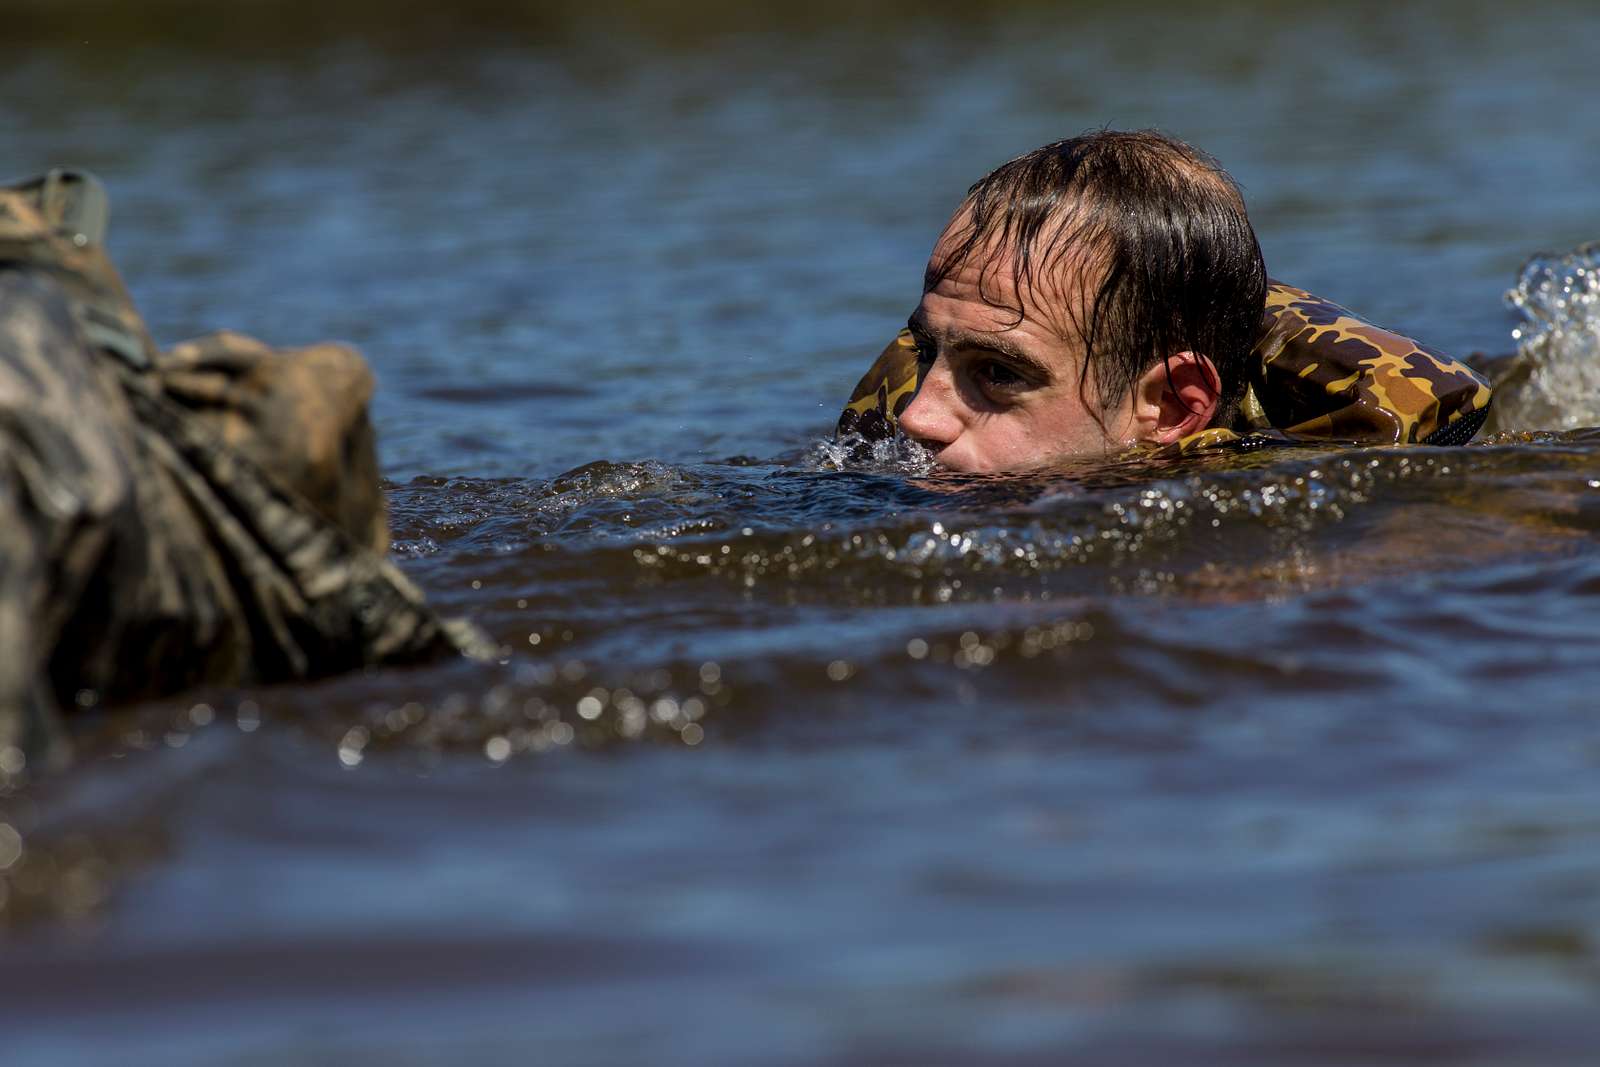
925 352
999 376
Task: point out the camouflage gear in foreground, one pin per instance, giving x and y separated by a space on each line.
205 515
1319 373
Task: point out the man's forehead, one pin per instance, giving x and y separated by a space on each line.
975 325
1049 286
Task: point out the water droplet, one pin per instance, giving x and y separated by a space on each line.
10 846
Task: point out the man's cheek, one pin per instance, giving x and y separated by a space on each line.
1012 447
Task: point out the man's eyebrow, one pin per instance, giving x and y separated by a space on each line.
992 342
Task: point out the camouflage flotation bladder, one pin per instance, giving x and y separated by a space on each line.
1319 373
55 226
205 515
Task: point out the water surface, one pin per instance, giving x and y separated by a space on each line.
1285 758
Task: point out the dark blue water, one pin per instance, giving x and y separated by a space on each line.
1284 760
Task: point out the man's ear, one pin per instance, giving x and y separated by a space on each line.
1176 398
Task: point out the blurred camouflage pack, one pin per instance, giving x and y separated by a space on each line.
210 514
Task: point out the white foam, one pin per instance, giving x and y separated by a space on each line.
1554 383
894 455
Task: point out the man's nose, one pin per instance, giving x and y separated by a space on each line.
933 417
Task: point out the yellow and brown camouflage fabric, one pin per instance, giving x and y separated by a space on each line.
208 515
55 225
1319 373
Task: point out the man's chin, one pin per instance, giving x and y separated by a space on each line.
942 463
957 460
970 466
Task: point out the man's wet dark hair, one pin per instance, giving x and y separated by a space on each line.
1165 222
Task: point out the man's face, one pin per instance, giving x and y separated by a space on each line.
1002 395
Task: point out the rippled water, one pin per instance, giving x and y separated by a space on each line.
1287 757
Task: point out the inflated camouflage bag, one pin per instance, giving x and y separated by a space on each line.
1318 373
205 515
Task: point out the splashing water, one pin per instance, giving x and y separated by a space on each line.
1554 382
894 455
